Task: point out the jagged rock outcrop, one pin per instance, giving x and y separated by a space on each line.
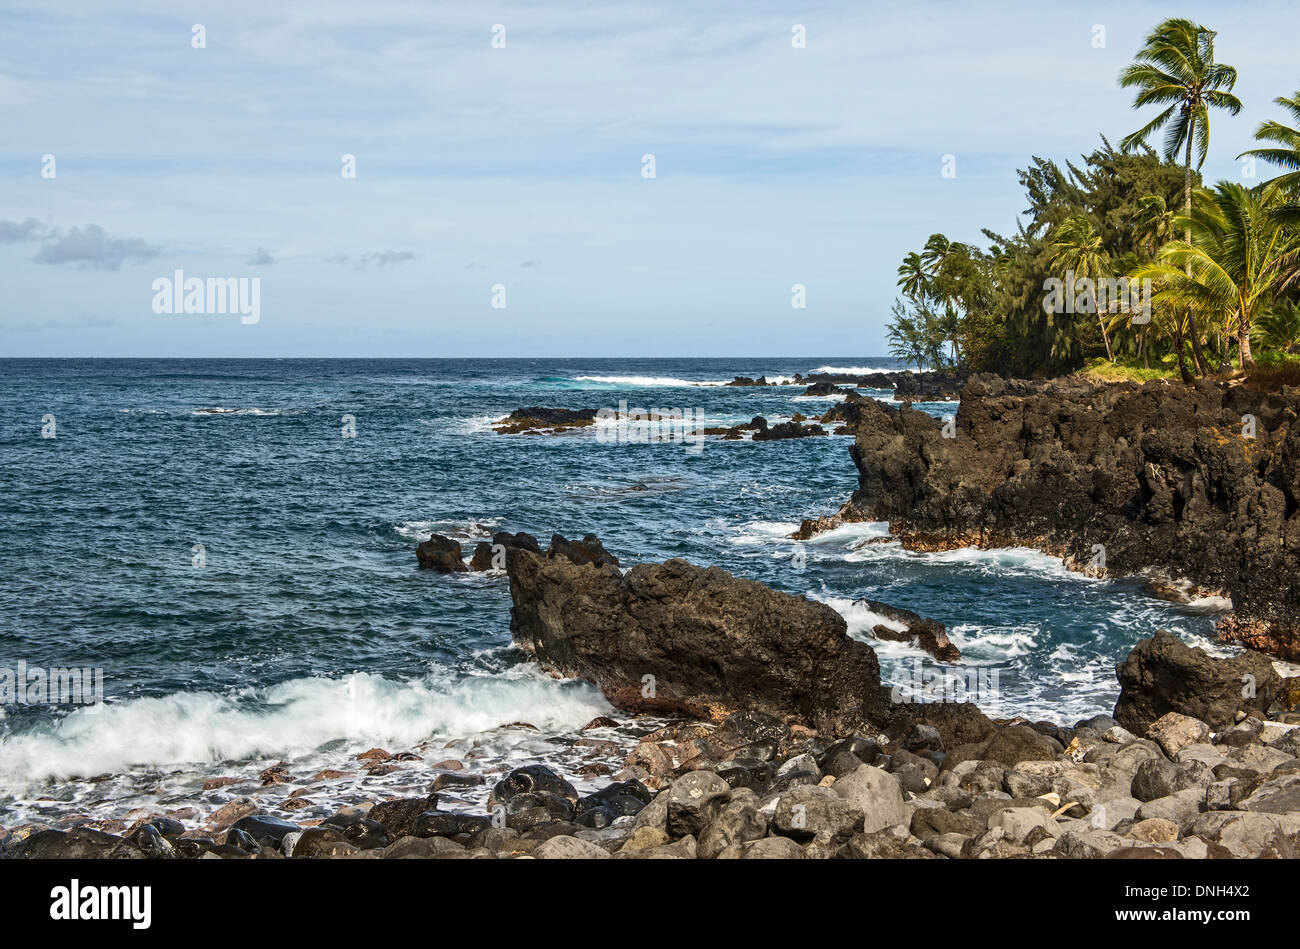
790 429
710 643
928 386
1200 482
677 639
929 634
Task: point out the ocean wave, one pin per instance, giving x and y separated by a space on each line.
477 529
223 410
853 535
849 370
763 532
995 642
665 382
290 720
861 619
994 562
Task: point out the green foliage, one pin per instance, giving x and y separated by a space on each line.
1238 263
1277 328
942 285
1123 200
1225 267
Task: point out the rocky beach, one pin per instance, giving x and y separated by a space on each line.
747 722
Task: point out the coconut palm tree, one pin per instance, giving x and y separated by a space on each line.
1239 260
1285 154
932 255
1151 224
1076 248
1278 327
913 278
1176 69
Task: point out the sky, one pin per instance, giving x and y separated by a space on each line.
500 155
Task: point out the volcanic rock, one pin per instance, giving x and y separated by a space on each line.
1163 675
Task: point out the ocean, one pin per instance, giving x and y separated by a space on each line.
244 577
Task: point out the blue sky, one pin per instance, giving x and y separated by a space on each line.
522 165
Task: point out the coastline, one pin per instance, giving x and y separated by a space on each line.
656 763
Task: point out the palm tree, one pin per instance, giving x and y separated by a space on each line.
1240 259
1285 155
1278 327
934 252
1176 68
1076 248
1151 224
913 278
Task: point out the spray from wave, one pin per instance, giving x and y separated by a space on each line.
292 719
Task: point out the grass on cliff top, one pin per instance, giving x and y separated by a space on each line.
1272 371
1128 370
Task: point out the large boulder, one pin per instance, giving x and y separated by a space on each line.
1162 675
876 794
677 639
79 843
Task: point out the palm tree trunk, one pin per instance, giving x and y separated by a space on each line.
1246 360
1180 353
1192 329
1110 355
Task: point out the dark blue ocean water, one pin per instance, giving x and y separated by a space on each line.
309 633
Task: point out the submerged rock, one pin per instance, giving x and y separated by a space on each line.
538 420
931 635
441 554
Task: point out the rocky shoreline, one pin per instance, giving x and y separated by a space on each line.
776 737
908 386
1195 488
792 748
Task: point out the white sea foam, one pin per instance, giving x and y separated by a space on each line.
763 532
476 425
849 370
224 410
649 381
1210 604
291 720
476 529
853 535
1009 561
861 619
994 642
